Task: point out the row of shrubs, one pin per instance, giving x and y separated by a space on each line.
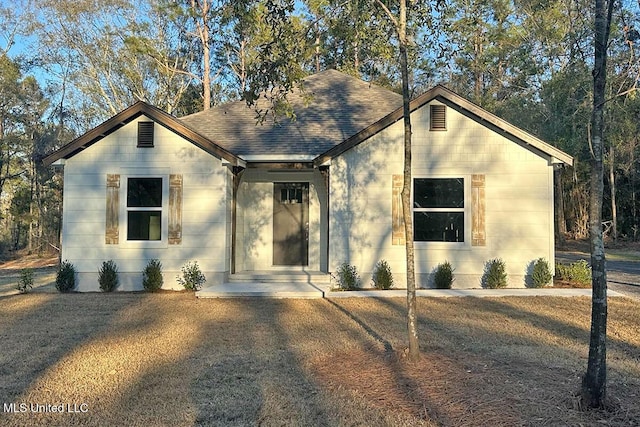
494 275
191 279
346 276
348 279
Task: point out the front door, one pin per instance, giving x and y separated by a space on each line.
291 223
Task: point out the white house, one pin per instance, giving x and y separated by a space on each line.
308 194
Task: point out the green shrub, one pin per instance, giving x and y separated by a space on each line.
563 272
192 278
152 276
382 277
541 273
66 277
495 274
26 281
577 273
347 277
443 276
108 276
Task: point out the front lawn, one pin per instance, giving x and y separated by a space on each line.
169 359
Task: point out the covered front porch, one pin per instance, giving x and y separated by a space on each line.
280 221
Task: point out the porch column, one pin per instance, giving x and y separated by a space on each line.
237 172
324 171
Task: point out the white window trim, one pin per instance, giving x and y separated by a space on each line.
466 210
164 216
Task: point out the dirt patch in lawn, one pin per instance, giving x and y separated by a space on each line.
24 260
169 359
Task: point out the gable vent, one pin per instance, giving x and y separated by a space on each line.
145 134
438 115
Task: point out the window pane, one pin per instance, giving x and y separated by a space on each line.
438 226
144 192
296 196
143 225
438 193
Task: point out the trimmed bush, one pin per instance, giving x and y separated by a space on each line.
578 273
108 276
347 277
541 274
495 274
66 277
382 277
443 276
152 276
26 281
192 278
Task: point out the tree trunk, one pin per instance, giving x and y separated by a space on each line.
317 46
594 388
612 189
206 75
634 211
412 315
203 34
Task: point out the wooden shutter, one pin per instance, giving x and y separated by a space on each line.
145 134
398 235
113 209
438 117
478 234
175 209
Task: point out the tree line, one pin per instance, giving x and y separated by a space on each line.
67 66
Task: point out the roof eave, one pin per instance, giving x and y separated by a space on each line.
452 99
481 115
126 116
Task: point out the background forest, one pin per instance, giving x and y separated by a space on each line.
67 66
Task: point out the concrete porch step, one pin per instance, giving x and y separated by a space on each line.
314 277
262 290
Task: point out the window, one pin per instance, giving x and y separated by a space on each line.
144 208
145 134
438 209
291 195
438 117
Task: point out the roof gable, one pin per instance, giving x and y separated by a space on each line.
335 112
138 109
461 105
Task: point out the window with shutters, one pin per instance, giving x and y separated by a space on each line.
145 134
151 210
144 208
438 117
439 209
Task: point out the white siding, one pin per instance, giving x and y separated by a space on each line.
519 200
205 217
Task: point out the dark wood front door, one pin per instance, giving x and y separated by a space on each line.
291 223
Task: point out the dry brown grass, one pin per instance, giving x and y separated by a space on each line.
169 359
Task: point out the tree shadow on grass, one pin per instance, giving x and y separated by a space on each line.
522 349
429 389
43 335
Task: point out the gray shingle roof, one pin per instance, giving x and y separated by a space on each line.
332 108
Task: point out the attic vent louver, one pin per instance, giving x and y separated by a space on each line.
438 117
145 134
